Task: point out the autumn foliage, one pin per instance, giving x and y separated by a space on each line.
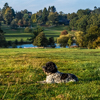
64 32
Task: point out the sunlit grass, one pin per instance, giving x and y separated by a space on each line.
21 68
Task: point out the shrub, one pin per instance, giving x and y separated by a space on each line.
63 40
40 40
27 30
64 32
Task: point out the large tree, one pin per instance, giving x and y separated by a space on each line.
92 35
8 16
34 18
19 15
44 15
79 37
53 9
53 18
40 40
36 31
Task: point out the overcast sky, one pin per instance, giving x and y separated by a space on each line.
66 6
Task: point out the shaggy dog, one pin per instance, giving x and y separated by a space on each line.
54 76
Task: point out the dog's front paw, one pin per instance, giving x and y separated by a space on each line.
42 82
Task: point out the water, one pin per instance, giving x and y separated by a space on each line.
32 46
26 46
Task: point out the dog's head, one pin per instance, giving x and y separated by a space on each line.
50 68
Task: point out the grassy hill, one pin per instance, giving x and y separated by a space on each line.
12 35
21 68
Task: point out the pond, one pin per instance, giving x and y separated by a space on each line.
32 46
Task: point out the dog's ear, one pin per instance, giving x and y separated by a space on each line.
51 67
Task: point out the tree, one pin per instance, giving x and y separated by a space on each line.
61 13
14 24
49 8
36 31
40 40
34 18
19 15
51 42
4 8
8 13
81 12
96 43
69 41
44 15
20 23
79 37
64 32
73 23
53 18
63 40
25 23
8 16
92 34
39 13
82 23
53 9
2 39
25 17
71 16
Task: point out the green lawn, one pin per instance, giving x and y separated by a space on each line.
12 35
55 31
21 68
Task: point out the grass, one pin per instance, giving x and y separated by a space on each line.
55 31
21 68
12 35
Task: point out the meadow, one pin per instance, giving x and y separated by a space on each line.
13 34
20 69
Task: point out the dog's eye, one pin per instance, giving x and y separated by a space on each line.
43 67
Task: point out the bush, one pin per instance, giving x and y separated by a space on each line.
40 40
63 40
27 30
64 32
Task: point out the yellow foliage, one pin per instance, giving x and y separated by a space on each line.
79 37
68 35
8 10
34 18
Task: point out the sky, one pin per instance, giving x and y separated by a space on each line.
66 6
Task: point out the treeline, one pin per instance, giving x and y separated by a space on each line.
24 18
87 22
49 16
15 19
84 19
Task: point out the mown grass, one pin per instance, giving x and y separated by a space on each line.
21 68
12 34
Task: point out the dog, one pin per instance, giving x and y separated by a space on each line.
54 76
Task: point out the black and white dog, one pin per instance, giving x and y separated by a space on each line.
54 76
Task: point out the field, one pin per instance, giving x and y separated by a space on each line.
20 69
12 35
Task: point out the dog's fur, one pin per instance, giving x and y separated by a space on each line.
54 76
